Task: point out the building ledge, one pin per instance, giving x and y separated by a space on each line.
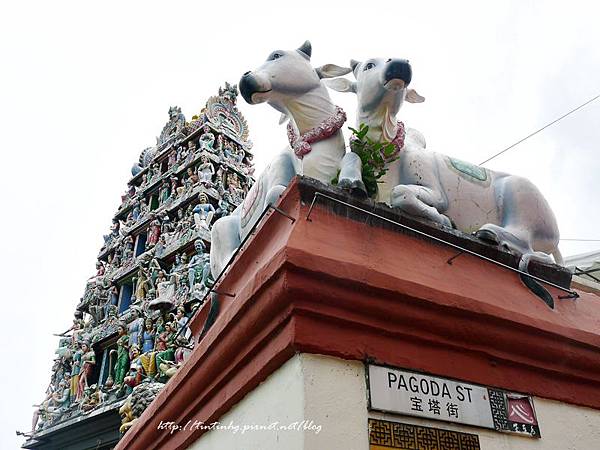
96 429
346 285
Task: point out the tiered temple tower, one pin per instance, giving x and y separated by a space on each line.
131 325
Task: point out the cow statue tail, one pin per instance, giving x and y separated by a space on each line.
532 284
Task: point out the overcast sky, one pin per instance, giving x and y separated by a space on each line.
85 86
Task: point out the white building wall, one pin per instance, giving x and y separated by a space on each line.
330 393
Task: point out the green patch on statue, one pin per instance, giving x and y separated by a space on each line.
468 169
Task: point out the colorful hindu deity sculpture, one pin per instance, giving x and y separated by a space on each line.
172 161
91 398
174 185
192 176
153 233
207 139
223 207
203 213
128 249
166 341
206 171
235 191
142 284
135 327
135 374
199 266
182 321
164 193
122 365
191 146
88 361
148 357
75 371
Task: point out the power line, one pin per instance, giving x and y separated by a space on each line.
541 129
580 240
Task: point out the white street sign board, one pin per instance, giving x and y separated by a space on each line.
415 394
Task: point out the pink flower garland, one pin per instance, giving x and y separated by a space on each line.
398 142
301 143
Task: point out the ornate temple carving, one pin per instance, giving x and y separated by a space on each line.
130 332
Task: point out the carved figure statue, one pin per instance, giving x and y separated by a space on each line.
61 398
207 139
91 398
206 171
88 361
505 209
112 300
142 284
167 340
127 249
199 266
166 291
134 377
182 322
203 213
135 327
143 209
75 371
191 148
192 176
224 206
153 233
137 402
122 364
164 193
172 161
235 191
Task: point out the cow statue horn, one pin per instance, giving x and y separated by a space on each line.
306 49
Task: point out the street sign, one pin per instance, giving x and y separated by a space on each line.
415 394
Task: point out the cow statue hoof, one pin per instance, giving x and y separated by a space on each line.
487 236
356 187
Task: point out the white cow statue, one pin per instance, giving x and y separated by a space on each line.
288 82
504 209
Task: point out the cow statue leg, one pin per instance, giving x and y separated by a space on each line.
421 201
350 177
527 223
225 239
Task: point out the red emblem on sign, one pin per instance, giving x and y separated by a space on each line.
520 410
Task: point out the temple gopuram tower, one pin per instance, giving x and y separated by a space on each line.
130 333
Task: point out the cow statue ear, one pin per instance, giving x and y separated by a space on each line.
413 97
305 50
341 85
354 64
283 118
331 70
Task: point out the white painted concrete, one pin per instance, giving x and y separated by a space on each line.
331 393
327 391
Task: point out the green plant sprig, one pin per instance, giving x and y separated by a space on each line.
375 157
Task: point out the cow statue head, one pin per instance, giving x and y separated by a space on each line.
381 86
288 82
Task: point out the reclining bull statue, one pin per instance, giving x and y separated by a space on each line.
504 209
288 82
